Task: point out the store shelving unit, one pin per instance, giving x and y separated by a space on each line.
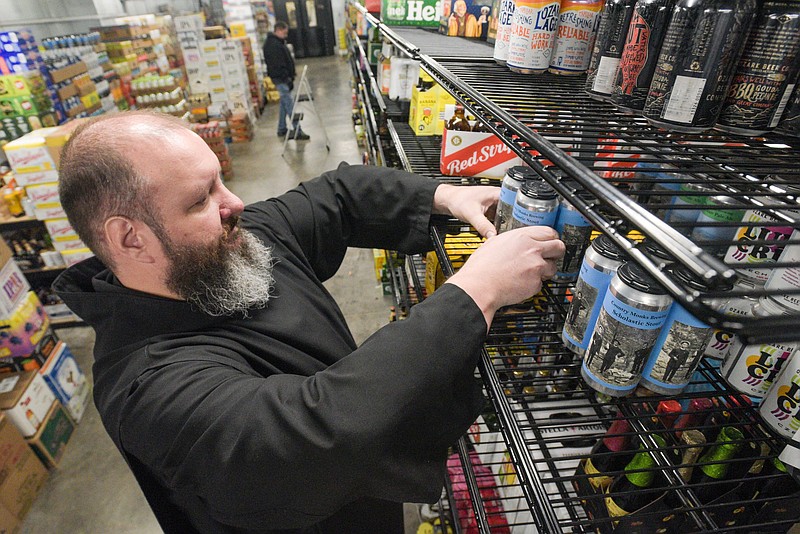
548 417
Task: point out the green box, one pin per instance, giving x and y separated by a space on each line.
50 442
411 12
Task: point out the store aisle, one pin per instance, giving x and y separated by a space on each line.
93 492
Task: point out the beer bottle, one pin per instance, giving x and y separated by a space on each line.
610 454
779 484
458 121
667 412
480 126
693 441
636 487
707 477
697 411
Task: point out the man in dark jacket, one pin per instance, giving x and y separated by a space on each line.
224 371
280 68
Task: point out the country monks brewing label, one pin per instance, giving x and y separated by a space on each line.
759 230
642 44
512 181
577 29
780 407
536 204
575 231
766 73
503 31
533 32
696 63
608 48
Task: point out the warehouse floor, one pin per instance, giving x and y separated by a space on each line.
92 491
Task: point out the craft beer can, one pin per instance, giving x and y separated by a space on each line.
577 29
784 282
512 181
766 73
780 407
680 346
634 310
655 195
599 265
687 206
575 231
751 369
640 54
738 306
713 229
790 123
533 31
536 204
702 46
503 31
608 48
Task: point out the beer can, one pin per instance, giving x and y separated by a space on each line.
702 46
640 54
577 29
686 206
536 204
712 229
784 282
655 195
751 369
740 306
679 348
608 47
575 231
790 123
761 226
656 252
533 31
634 310
599 265
501 41
512 181
780 408
766 73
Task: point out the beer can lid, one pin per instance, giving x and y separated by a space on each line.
724 200
521 173
691 280
638 279
538 189
578 189
606 248
652 248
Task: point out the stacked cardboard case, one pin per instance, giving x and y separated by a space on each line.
240 16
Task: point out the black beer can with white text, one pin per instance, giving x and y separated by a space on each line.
790 122
767 72
608 48
701 49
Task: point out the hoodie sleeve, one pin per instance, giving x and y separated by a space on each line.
353 206
288 450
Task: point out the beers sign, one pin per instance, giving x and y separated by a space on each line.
411 12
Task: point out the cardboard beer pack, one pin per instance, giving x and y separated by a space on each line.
466 18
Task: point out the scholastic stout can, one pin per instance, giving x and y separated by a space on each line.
575 231
533 31
695 67
608 47
642 44
790 123
751 369
577 30
503 31
512 181
780 407
767 71
634 310
783 280
713 228
536 204
679 348
599 265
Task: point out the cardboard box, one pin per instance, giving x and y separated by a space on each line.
63 245
8 523
24 327
43 193
52 210
38 177
60 230
70 71
71 257
13 284
30 153
423 113
50 442
23 474
475 154
25 399
65 378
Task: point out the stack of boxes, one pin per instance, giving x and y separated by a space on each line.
25 105
19 52
241 18
429 103
214 136
159 92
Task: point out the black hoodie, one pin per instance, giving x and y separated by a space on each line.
280 65
278 420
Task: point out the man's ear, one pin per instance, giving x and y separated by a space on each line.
132 240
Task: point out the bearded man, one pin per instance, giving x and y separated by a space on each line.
225 372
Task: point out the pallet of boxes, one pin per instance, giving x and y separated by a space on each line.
214 136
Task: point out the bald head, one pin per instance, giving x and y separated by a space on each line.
106 170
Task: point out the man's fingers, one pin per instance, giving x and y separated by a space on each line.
484 227
540 233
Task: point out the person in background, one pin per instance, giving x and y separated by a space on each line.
280 68
225 372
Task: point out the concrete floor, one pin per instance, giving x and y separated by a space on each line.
92 492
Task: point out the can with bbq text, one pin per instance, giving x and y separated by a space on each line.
608 47
577 29
702 46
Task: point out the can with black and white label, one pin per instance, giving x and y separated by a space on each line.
575 231
536 204
608 46
512 181
599 265
790 123
634 310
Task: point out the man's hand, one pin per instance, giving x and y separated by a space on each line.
509 268
472 204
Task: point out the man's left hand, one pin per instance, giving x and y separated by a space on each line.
475 205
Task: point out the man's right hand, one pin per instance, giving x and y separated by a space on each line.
509 268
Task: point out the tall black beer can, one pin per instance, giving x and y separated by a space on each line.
608 48
790 123
767 72
640 55
704 41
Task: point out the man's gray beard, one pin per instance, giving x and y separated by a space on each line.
221 282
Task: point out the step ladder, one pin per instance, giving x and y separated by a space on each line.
303 95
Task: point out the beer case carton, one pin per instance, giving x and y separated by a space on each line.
13 284
25 399
487 443
63 245
424 111
50 442
479 154
29 153
445 99
60 230
71 257
49 210
23 474
43 193
8 523
404 75
466 18
33 361
24 327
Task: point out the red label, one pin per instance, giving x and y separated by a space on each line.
634 55
473 159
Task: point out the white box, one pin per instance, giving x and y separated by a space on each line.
26 399
60 229
52 210
71 257
210 47
25 179
62 245
43 193
13 288
29 153
188 23
198 86
65 378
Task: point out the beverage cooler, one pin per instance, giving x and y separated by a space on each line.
703 232
311 30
